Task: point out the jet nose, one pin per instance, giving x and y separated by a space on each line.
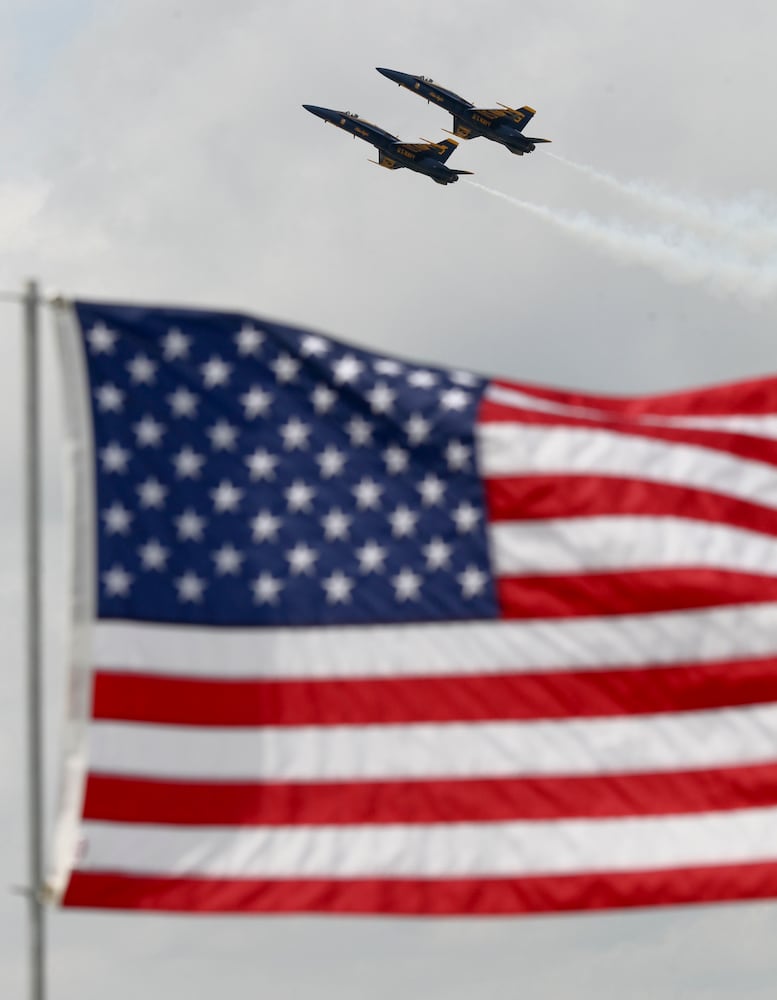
403 79
326 113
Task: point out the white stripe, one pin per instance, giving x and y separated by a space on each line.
433 851
662 742
454 649
575 544
759 425
513 449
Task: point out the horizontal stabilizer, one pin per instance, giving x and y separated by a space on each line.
532 139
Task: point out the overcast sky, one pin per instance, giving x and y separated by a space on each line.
157 151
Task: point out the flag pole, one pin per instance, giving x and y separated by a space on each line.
31 310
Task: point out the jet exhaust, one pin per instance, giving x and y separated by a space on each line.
679 255
750 222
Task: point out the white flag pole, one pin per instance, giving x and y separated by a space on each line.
32 515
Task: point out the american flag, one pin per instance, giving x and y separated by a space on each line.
353 634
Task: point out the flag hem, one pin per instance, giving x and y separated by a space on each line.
80 560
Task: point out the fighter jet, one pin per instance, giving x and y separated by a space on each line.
502 124
423 157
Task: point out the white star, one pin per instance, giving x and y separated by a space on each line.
422 379
347 369
188 463
101 339
117 581
190 526
395 459
295 434
215 372
332 461
183 402
153 555
285 368
248 340
385 366
336 524
472 581
323 398
142 369
175 345
109 398
302 558
417 429
313 346
148 431
256 402
228 560
266 588
371 557
454 399
226 497
265 526
338 588
432 490
457 456
152 493
403 521
437 554
367 493
222 436
466 517
261 464
407 585
299 496
464 378
190 587
381 398
359 431
114 457
117 519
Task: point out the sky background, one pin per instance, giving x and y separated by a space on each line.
157 151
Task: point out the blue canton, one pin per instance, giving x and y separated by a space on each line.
248 473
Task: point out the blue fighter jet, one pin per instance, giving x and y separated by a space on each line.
423 157
503 124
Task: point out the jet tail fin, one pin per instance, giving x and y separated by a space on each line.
446 147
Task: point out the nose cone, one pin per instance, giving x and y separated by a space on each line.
326 113
403 79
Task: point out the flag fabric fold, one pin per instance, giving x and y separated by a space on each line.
353 634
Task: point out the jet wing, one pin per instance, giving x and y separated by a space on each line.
520 116
386 161
437 148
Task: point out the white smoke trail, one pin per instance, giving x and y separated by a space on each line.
751 221
679 256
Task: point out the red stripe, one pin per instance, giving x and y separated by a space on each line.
440 897
472 698
747 446
140 800
522 498
629 592
752 397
